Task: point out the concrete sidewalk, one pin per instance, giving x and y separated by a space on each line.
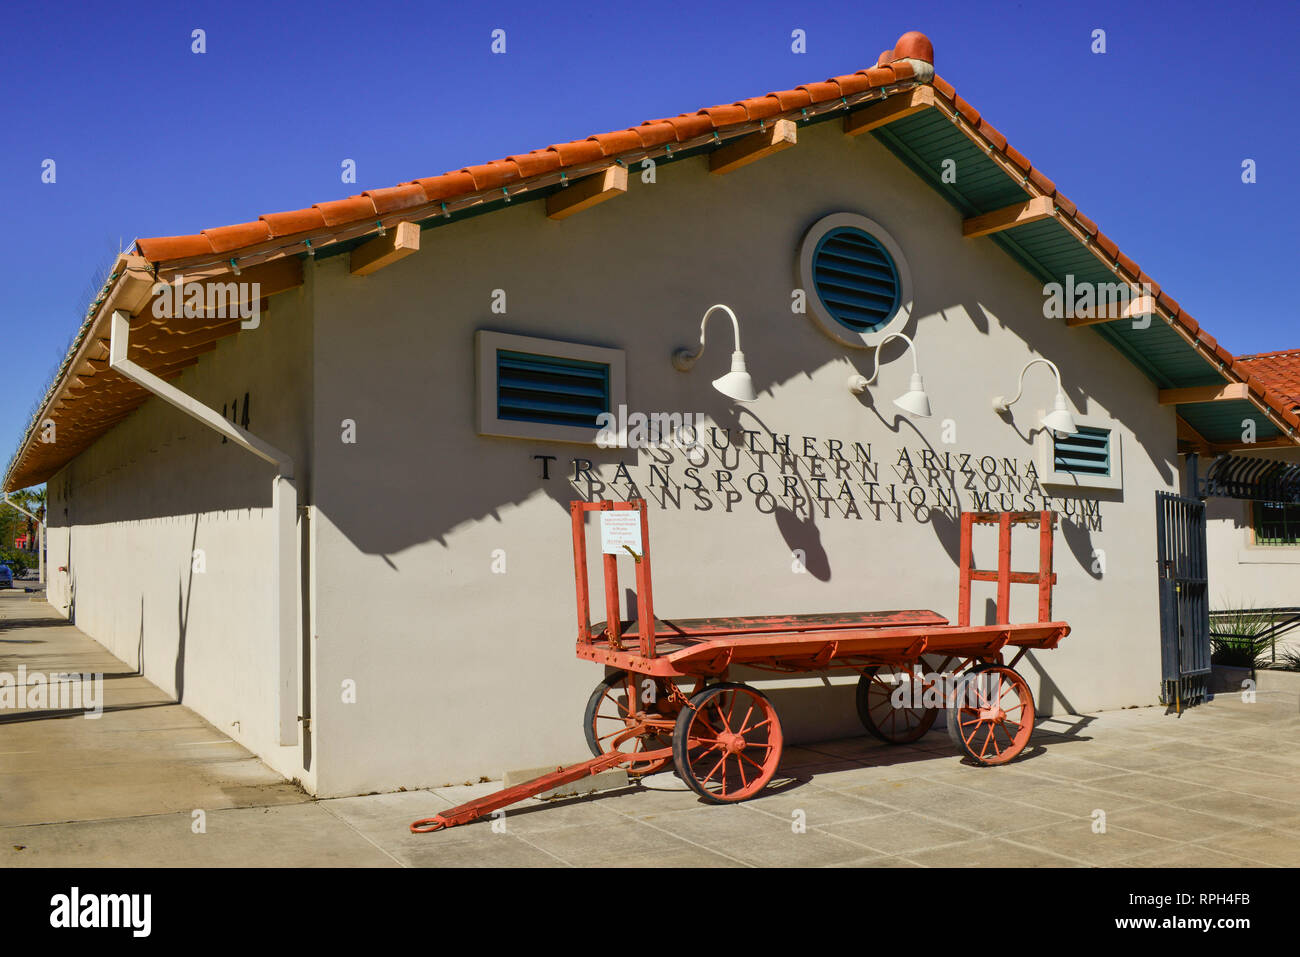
1218 786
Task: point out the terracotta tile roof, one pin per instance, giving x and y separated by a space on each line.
1278 371
85 400
910 62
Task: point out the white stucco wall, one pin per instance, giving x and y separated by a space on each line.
129 515
461 673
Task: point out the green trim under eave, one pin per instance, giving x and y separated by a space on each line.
1220 422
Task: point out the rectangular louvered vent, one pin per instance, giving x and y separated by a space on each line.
550 390
1085 453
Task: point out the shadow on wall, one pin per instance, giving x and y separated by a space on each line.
390 494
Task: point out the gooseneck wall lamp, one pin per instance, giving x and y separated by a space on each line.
1059 419
914 401
736 384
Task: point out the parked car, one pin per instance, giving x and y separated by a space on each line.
6 577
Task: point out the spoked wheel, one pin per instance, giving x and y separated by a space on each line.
991 715
727 744
890 705
607 716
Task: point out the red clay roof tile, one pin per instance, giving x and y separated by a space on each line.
1279 371
793 99
727 113
544 161
337 212
968 112
162 248
1188 323
226 238
761 107
826 90
656 134
851 83
1128 265
691 125
1087 224
992 134
885 57
446 186
902 70
1107 245
578 152
1047 187
1169 303
393 198
294 221
914 45
1014 155
881 76
1064 205
943 87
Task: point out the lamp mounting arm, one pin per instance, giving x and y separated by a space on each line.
1001 403
859 383
683 359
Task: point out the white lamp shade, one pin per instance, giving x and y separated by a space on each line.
914 401
1059 419
737 384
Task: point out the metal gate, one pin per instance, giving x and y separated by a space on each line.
1184 600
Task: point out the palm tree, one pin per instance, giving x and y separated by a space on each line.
33 500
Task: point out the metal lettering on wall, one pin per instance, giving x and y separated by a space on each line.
811 476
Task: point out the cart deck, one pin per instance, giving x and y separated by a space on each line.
724 738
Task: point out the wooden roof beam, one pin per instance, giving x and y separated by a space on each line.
1008 217
397 243
587 192
781 135
1136 307
1205 393
888 110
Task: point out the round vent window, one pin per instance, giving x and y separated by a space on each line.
855 278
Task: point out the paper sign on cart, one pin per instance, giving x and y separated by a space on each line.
619 529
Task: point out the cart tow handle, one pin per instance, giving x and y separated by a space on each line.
473 810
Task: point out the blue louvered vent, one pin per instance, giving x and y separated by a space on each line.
856 279
533 388
1085 453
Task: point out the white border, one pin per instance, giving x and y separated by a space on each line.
1047 459
825 321
486 344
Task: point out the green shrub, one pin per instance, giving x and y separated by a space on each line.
1237 639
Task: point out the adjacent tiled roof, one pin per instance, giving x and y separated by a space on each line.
1278 371
99 397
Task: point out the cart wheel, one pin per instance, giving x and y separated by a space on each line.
727 744
606 716
991 715
883 716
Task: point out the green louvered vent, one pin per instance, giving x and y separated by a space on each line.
1087 452
856 279
533 388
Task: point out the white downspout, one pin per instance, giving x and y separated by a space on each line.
40 545
284 504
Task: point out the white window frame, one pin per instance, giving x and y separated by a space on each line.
1048 475
486 345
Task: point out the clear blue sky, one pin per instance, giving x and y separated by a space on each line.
151 139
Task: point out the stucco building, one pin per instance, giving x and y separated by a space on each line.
369 581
